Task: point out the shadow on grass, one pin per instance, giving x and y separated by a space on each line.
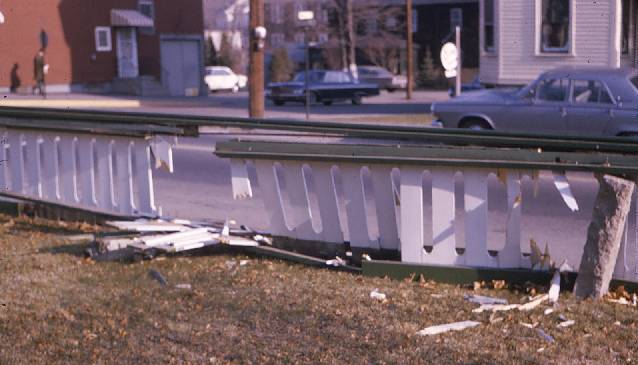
73 249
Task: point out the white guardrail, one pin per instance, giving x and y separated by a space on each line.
95 172
306 198
322 194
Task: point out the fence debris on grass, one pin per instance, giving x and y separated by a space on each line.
151 237
456 326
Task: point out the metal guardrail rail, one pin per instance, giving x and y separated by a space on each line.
43 118
432 155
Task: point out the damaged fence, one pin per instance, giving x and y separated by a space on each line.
387 181
317 191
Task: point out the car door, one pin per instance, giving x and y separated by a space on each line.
334 86
543 110
226 79
591 109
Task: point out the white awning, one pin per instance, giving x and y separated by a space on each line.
129 18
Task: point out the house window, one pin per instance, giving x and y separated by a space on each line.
277 39
415 20
488 26
147 7
372 26
626 13
323 37
103 39
277 13
555 26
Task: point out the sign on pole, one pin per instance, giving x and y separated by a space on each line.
449 59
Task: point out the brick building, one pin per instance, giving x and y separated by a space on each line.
128 46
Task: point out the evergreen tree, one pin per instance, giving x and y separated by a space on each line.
228 56
210 52
429 74
281 67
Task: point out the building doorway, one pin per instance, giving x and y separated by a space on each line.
127 64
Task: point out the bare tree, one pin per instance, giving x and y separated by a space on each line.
370 27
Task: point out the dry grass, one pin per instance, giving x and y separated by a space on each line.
59 308
411 120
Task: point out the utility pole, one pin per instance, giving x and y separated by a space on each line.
256 66
459 66
351 41
410 56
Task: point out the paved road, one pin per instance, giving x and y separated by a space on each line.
236 105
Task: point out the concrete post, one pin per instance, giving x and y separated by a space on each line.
604 236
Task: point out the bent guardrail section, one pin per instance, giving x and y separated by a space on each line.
387 180
105 168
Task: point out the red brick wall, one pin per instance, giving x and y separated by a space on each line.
70 25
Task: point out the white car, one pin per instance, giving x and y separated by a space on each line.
223 78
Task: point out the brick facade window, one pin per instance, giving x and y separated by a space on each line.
147 7
103 39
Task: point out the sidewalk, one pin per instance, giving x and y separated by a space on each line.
81 100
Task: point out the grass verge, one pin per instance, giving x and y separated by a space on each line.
58 308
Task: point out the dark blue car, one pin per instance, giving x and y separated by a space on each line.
324 86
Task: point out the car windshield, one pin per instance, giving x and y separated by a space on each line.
374 71
526 91
315 76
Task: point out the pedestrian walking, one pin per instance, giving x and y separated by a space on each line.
39 70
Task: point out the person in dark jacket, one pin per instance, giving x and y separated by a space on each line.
38 73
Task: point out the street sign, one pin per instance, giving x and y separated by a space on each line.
456 18
450 73
449 56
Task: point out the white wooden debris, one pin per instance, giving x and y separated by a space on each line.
456 326
176 236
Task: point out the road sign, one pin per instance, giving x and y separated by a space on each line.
449 56
450 73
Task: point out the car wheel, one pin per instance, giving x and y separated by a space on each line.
391 90
475 124
357 99
278 102
327 102
312 99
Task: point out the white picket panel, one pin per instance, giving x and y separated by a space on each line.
443 217
331 230
298 216
412 215
355 207
385 207
78 170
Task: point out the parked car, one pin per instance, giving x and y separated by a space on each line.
324 87
573 100
382 77
223 78
475 84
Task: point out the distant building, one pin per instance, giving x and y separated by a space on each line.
228 18
522 38
128 46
